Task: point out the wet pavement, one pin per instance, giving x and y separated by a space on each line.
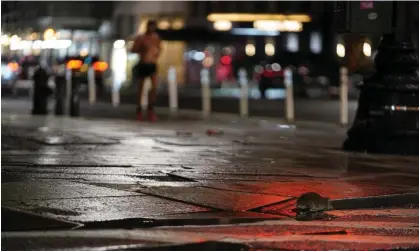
65 181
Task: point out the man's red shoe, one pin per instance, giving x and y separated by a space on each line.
152 117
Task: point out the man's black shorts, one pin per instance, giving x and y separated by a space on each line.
144 70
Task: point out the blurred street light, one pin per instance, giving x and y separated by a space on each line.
163 25
250 50
340 50
222 25
366 48
178 24
49 34
33 36
5 40
270 49
14 42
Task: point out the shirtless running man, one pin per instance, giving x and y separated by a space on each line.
149 48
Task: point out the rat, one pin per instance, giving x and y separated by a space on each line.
312 204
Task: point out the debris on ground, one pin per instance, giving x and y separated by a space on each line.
214 132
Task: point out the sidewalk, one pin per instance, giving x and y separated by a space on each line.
74 178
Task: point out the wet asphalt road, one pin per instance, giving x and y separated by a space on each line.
234 191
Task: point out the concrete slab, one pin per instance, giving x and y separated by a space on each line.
231 177
42 190
105 208
60 138
214 198
332 189
192 141
13 219
387 215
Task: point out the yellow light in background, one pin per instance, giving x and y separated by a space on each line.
208 62
5 40
272 25
163 24
299 17
84 68
119 44
269 49
33 36
84 52
143 26
49 34
266 25
178 24
250 50
130 44
100 66
74 64
248 17
222 25
14 42
340 50
290 25
366 48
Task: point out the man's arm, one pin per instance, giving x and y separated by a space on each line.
136 48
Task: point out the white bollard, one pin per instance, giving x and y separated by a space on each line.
68 89
91 83
206 93
145 93
115 98
172 88
343 96
244 93
115 92
289 99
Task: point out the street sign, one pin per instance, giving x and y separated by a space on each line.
373 17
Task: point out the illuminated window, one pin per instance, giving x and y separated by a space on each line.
270 49
366 49
250 50
292 42
163 24
222 25
315 42
178 24
340 50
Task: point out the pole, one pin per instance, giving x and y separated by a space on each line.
206 93
146 91
92 85
244 93
173 89
289 98
68 89
343 96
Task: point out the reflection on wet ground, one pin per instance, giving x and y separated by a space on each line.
97 174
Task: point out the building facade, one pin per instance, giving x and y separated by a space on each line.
194 37
25 24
